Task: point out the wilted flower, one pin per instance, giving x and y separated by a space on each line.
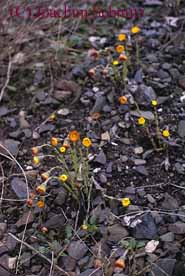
63 177
141 121
166 133
123 100
74 136
135 30
120 49
92 72
120 263
54 141
121 37
29 202
84 226
96 115
93 53
125 201
40 204
44 229
86 142
52 117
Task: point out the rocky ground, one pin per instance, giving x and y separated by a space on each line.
44 71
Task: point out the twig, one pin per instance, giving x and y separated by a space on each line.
52 263
3 182
39 253
7 78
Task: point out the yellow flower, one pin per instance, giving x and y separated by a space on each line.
135 30
84 226
120 49
123 100
36 160
86 142
141 121
166 133
54 141
40 204
122 57
63 177
62 149
74 136
154 103
115 62
125 201
41 189
35 150
52 117
121 37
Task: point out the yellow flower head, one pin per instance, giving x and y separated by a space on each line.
141 121
52 117
74 136
63 177
122 57
54 141
123 100
86 142
36 160
35 151
40 204
135 30
62 149
115 62
84 226
41 189
120 49
166 133
154 103
125 201
121 37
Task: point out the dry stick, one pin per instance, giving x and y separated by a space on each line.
7 78
22 240
52 263
39 253
18 164
3 184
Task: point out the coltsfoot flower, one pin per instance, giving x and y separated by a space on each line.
166 133
74 136
120 263
52 117
125 201
154 102
123 100
122 57
86 142
63 177
45 176
36 160
62 149
84 226
122 37
54 141
35 151
41 189
92 72
40 204
135 30
141 121
120 49
29 202
115 62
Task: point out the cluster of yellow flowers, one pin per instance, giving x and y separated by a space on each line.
142 121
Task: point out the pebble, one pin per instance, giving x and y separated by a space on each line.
77 249
146 229
101 158
138 150
168 237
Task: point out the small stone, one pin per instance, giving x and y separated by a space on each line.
3 111
61 196
46 128
181 128
166 265
151 199
99 104
101 158
26 218
116 232
103 178
55 222
105 136
177 228
12 146
68 262
142 170
139 162
146 229
138 150
93 272
19 187
77 249
170 202
146 114
3 227
182 83
63 111
168 237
